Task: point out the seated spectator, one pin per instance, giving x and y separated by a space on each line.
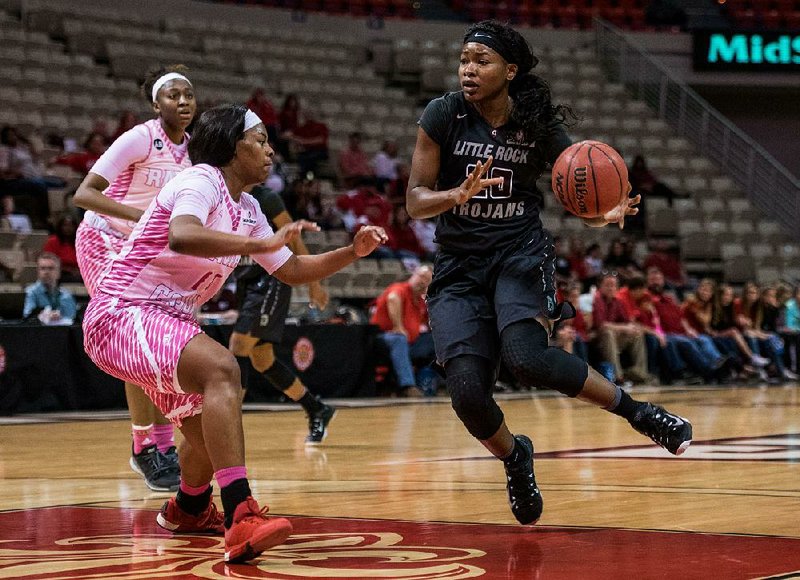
619 261
425 230
768 323
402 315
13 221
354 166
22 177
44 299
288 121
260 104
724 327
364 205
666 259
309 141
402 239
698 350
617 333
572 335
384 164
81 162
790 329
576 257
62 244
644 183
563 265
127 121
592 266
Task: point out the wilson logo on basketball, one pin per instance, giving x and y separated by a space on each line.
303 354
148 556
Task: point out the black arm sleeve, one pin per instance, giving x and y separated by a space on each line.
556 142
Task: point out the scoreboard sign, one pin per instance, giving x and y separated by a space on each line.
737 51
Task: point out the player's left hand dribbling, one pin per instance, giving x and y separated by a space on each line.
367 239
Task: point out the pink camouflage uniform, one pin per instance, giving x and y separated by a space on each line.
137 165
142 314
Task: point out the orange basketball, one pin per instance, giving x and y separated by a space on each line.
590 178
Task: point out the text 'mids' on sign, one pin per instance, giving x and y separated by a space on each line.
735 51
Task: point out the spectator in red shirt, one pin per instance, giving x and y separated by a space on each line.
127 121
310 138
62 244
81 162
402 315
262 106
572 335
354 165
402 238
666 260
617 333
288 120
698 350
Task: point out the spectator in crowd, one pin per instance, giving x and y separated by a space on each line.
11 220
666 259
310 205
385 164
425 230
576 257
768 323
260 104
81 162
62 244
402 316
644 183
619 261
592 266
790 329
364 205
698 350
639 305
572 335
21 175
288 120
724 327
127 121
354 166
45 299
310 140
748 311
617 333
402 239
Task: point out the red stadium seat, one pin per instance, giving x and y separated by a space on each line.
771 19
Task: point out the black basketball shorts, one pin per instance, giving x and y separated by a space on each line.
473 298
264 305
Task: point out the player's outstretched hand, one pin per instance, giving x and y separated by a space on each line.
626 207
287 233
475 183
367 239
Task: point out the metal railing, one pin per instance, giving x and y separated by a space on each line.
769 185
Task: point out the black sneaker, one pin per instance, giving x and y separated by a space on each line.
318 424
170 458
672 432
157 473
523 495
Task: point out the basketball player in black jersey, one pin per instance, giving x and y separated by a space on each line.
264 302
479 152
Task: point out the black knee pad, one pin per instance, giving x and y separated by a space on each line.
525 350
469 383
279 375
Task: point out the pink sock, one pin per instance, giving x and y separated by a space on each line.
164 437
191 490
142 437
228 475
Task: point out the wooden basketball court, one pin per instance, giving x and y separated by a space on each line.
400 490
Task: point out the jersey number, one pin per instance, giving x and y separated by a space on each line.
502 191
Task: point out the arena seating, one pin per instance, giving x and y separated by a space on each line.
70 64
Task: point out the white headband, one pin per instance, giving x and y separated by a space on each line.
251 120
164 80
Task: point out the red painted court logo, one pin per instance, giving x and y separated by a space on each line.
303 353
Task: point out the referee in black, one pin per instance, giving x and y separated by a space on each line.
264 302
478 155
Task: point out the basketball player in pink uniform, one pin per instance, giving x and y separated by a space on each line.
120 186
140 326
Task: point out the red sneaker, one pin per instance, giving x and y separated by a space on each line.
252 532
173 518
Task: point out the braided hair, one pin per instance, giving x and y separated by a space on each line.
533 108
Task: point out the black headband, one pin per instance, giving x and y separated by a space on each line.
492 42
